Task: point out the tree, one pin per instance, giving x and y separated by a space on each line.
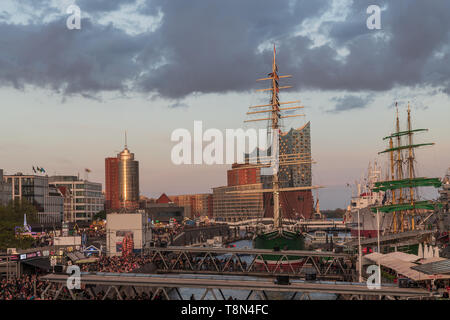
101 215
336 213
11 217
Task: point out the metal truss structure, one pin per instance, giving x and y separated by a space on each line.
295 263
169 287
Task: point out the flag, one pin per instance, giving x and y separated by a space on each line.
34 170
87 170
42 170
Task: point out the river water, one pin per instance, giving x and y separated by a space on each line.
186 293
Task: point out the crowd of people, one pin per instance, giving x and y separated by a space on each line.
165 235
123 264
25 287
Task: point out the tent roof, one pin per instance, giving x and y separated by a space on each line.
403 264
437 267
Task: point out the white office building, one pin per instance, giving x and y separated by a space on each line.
85 197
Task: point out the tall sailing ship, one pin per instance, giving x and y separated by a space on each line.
278 237
393 205
401 190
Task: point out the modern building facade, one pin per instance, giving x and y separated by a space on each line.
5 191
296 141
230 207
122 181
46 198
230 203
195 205
83 199
294 204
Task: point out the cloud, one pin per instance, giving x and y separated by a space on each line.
70 62
178 105
92 6
349 102
221 46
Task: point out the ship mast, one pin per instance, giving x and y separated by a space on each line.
402 205
277 219
399 167
411 167
275 159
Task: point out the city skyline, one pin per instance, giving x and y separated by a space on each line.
163 81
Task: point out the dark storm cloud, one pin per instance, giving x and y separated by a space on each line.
212 47
402 53
349 102
70 62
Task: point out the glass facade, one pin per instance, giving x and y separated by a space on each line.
36 190
5 190
128 180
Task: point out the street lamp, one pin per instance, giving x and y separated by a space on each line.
359 249
379 251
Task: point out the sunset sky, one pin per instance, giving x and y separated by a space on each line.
150 67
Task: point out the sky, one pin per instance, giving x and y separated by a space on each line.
149 67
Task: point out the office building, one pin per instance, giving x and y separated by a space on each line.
112 184
83 199
5 191
195 205
47 199
122 182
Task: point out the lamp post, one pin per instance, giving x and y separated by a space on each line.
379 251
359 250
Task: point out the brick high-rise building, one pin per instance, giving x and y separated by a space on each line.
240 175
112 184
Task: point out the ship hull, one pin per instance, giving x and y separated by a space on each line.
285 240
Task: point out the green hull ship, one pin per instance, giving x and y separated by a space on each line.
278 238
275 240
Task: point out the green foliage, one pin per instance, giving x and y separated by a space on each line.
336 213
101 215
11 216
